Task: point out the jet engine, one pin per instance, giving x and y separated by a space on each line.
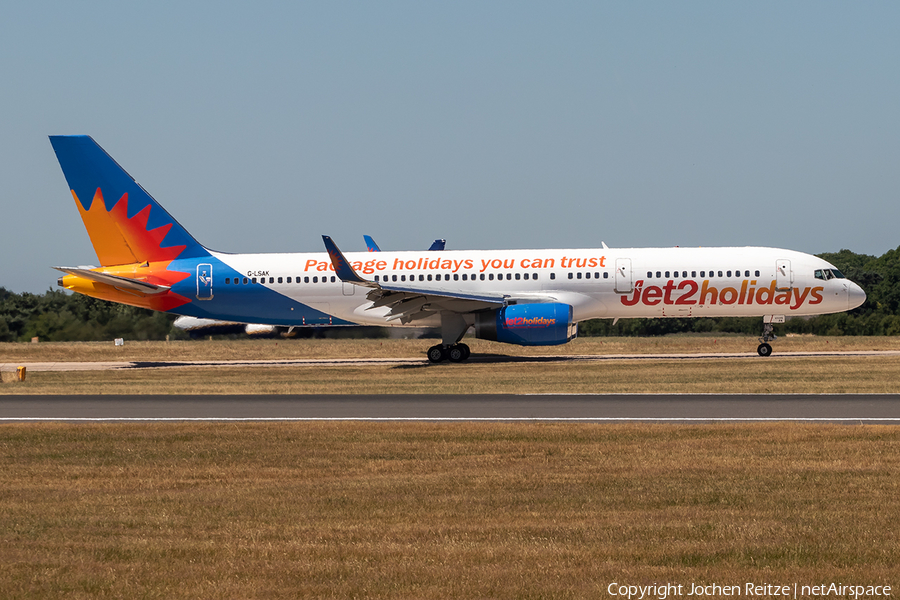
527 324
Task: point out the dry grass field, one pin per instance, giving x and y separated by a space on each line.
463 510
503 371
750 375
279 349
325 510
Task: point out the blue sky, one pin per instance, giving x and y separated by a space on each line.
261 126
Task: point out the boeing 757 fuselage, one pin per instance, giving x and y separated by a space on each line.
525 297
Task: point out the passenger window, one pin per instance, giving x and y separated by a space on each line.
693 273
747 273
429 277
534 275
254 280
465 277
421 278
306 279
403 278
315 280
518 276
658 274
728 273
570 276
280 280
675 274
393 278
491 276
227 280
579 275
552 275
605 275
702 273
720 273
526 276
482 277
271 280
649 274
509 276
757 273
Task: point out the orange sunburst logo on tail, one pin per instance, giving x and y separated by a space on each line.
120 240
126 247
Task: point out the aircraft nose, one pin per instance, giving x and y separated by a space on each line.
855 296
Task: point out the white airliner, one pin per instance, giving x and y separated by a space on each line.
525 297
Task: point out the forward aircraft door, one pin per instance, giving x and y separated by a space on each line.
624 280
783 275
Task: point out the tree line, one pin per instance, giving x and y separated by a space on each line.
60 316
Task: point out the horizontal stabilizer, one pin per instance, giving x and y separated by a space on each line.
116 280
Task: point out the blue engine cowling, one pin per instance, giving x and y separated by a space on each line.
527 324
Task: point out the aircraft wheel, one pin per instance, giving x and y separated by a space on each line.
764 350
456 353
437 354
466 352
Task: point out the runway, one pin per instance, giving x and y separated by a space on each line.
687 408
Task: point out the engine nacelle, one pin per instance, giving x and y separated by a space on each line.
527 324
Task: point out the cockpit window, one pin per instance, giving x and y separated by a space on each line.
826 274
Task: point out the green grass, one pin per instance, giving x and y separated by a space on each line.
432 510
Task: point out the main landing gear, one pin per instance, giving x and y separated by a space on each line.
454 353
768 335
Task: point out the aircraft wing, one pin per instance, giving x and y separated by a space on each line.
407 302
123 283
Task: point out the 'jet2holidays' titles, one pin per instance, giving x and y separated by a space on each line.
690 293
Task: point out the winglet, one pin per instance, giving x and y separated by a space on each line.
438 244
342 268
370 244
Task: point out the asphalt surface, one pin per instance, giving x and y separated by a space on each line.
843 408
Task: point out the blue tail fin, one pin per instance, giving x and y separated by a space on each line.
125 223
